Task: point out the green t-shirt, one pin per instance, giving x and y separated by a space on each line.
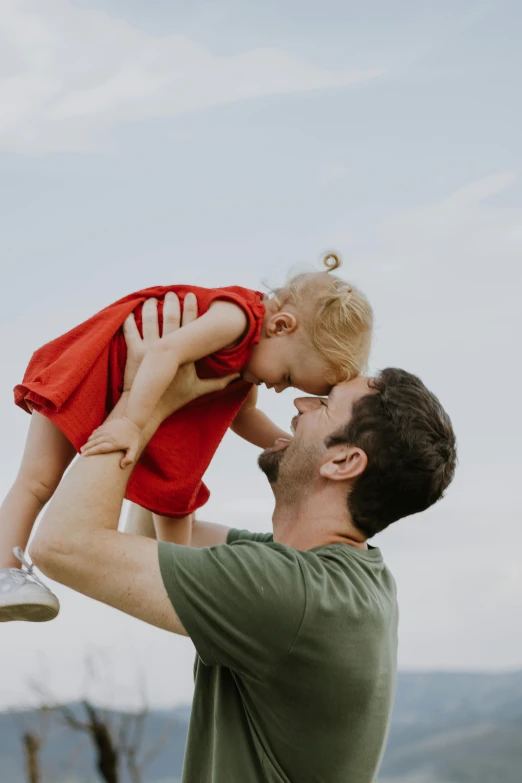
296 659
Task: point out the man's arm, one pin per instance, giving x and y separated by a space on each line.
77 542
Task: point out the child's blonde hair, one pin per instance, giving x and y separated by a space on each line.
339 318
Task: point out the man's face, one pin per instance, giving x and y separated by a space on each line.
294 467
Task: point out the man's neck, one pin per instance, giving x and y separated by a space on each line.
312 523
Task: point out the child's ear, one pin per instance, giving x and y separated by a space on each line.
280 324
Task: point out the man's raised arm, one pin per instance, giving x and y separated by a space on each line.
77 542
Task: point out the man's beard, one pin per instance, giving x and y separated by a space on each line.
269 462
292 472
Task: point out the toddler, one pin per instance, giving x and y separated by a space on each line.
310 334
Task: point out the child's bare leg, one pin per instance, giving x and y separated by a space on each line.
46 456
139 522
175 531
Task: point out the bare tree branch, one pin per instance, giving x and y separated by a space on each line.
32 743
116 736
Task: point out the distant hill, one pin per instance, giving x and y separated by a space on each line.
447 728
456 728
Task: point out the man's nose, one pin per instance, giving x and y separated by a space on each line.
304 404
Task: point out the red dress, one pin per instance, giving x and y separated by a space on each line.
77 379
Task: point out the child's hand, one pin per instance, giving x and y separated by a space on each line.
115 435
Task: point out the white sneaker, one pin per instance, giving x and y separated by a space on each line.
23 596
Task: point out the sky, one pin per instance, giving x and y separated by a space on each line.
231 143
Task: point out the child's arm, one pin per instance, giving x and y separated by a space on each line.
253 425
221 325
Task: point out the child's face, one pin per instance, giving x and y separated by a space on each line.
285 357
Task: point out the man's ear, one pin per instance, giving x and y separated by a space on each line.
343 462
280 324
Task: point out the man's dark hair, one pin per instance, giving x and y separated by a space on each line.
410 444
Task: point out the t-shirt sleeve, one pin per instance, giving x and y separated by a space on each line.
242 604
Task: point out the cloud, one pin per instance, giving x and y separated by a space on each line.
464 221
68 74
462 249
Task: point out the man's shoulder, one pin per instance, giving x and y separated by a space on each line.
353 585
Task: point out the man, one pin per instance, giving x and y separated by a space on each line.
296 633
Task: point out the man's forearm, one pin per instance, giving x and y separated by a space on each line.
89 498
78 545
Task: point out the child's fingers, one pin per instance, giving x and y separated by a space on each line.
171 313
149 318
101 430
94 440
99 448
99 442
129 457
190 309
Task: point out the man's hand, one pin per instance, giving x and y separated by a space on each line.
115 435
122 434
137 346
186 386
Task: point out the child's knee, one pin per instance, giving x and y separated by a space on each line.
41 487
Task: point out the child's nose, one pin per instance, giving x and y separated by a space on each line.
284 384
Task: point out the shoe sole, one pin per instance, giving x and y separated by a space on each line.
32 613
